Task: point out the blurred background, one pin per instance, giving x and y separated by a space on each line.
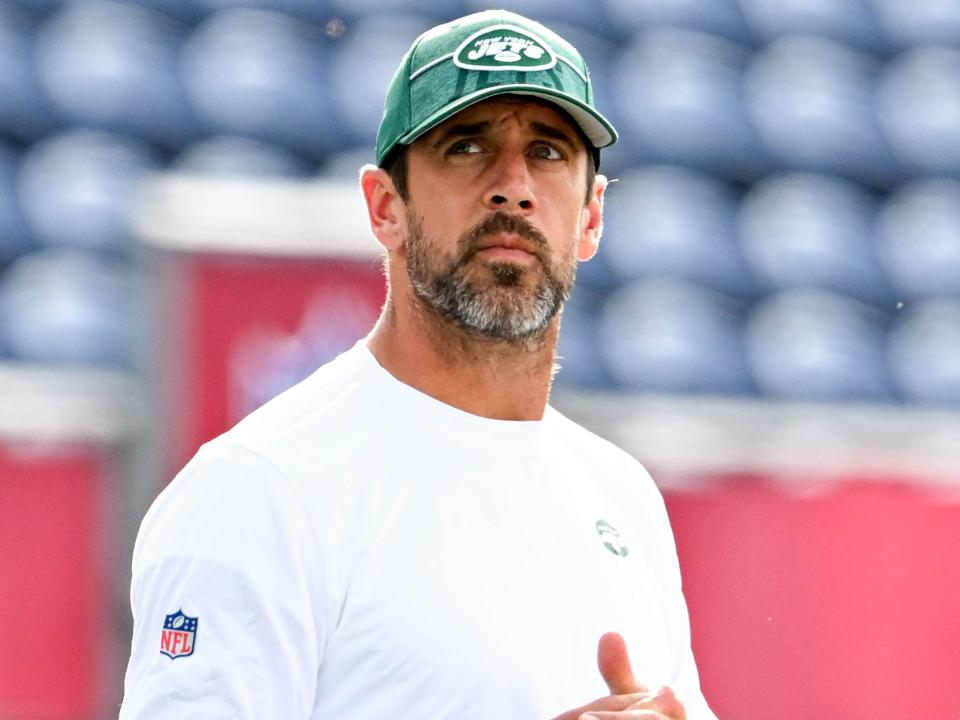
772 325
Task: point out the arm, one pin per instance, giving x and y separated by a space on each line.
228 543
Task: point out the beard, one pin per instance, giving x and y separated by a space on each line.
498 300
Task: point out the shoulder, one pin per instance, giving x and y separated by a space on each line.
614 471
226 497
328 396
598 449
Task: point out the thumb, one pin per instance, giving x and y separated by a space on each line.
614 664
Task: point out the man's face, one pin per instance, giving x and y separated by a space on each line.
495 215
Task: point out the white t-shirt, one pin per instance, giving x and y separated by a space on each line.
357 549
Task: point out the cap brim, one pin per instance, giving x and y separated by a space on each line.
595 126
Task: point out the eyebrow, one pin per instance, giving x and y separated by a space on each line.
553 133
463 130
459 131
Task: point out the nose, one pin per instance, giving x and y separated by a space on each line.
511 188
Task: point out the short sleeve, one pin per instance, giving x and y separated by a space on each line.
226 596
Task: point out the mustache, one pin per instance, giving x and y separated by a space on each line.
501 222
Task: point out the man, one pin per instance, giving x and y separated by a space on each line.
412 531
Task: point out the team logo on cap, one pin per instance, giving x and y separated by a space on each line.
504 47
179 636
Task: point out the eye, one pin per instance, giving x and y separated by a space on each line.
464 147
543 151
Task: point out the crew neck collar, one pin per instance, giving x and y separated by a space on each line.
450 415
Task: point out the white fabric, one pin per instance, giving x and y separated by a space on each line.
357 549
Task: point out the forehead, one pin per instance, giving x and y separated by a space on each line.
528 109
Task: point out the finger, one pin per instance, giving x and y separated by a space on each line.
614 664
610 702
625 715
664 701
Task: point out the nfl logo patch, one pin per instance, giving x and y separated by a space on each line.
179 636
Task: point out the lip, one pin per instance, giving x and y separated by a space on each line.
510 242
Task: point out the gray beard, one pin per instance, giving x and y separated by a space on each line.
501 309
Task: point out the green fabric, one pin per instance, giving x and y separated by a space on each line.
455 65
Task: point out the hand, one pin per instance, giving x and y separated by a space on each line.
628 699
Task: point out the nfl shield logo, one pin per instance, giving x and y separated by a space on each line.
179 636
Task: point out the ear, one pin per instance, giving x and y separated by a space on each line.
591 220
385 208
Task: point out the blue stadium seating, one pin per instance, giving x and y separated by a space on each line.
812 103
924 347
579 355
663 335
77 188
801 230
227 155
852 22
919 103
717 17
25 111
67 307
919 238
559 16
264 75
919 23
667 221
680 97
14 238
794 162
816 345
115 66
362 67
358 10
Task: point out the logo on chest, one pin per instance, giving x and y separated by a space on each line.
611 539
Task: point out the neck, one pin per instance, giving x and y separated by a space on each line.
493 378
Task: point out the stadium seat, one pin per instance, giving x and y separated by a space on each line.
25 111
816 345
115 66
231 155
919 23
186 11
663 335
924 347
578 351
346 165
919 106
435 10
598 273
14 238
362 66
263 75
919 238
667 221
680 97
556 15
717 17
76 188
63 306
851 22
812 103
802 230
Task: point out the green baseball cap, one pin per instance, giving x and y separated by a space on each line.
495 52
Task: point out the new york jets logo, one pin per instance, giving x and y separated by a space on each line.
504 47
611 539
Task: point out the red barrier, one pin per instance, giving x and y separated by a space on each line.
59 631
844 603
